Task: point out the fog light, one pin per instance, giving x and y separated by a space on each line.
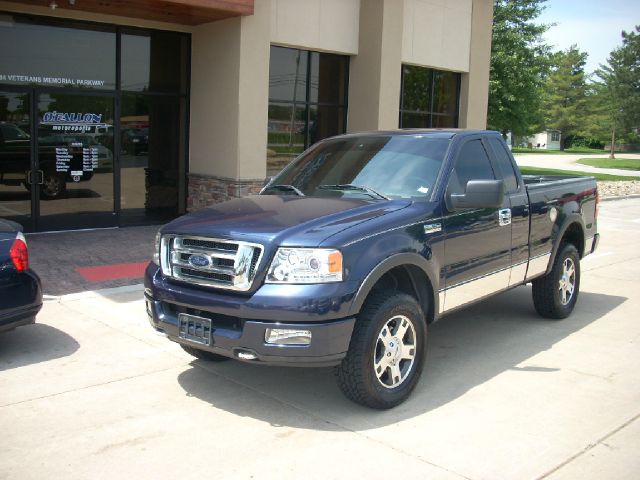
285 336
149 311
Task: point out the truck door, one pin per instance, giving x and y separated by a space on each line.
477 241
518 204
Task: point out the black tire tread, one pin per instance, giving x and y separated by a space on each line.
543 288
350 376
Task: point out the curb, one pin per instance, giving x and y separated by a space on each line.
625 197
104 292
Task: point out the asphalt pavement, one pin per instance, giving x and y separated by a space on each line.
91 392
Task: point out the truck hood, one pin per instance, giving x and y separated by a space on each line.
284 220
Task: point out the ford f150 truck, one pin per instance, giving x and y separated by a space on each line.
360 243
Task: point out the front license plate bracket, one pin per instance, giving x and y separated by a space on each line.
195 329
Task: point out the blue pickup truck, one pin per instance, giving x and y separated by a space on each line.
359 244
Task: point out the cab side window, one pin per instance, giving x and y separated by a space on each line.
472 164
505 165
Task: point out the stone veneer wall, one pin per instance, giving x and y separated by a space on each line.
206 190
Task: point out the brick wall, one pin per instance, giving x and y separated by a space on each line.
206 190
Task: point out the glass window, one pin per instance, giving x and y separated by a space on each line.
429 98
288 74
151 135
555 136
472 164
57 56
505 164
328 81
445 92
416 88
307 102
154 61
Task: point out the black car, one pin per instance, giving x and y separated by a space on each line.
20 288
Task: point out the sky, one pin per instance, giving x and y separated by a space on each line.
594 25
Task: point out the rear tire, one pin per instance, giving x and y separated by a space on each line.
555 294
387 351
204 355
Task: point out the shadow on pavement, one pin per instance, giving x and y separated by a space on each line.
34 344
465 350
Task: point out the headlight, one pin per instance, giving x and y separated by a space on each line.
156 252
305 265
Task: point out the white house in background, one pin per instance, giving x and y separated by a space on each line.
549 140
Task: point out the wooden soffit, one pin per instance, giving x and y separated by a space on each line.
184 12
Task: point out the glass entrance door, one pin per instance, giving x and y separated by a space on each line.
15 157
75 161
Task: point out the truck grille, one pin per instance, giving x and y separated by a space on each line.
210 262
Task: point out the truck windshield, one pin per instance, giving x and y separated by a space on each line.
380 167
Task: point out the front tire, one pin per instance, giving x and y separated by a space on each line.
387 351
555 294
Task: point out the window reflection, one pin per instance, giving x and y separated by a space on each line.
56 56
429 98
154 61
150 136
307 102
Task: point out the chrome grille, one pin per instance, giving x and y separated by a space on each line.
210 262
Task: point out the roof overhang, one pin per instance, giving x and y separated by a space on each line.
185 12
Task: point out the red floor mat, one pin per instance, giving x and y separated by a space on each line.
103 273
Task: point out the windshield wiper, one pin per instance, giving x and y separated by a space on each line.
348 186
289 188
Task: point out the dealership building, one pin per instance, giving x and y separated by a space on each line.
117 113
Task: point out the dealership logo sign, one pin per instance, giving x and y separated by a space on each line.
72 118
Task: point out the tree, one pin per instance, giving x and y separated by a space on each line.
519 65
619 87
565 94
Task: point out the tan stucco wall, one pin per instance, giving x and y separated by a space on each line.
229 96
437 33
253 96
215 81
325 25
374 81
93 17
474 88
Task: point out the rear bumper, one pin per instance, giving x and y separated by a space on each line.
20 301
232 334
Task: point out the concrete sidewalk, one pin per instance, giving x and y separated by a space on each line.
568 162
91 392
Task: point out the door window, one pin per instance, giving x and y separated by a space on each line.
472 164
75 155
15 157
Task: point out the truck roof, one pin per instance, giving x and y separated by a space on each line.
438 132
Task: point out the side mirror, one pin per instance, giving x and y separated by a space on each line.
478 194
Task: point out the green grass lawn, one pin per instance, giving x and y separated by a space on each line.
622 163
550 171
543 151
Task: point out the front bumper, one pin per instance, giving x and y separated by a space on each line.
238 323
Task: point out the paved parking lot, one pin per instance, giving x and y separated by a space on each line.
91 392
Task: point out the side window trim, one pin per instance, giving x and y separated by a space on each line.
494 160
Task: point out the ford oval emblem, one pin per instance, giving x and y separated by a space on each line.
199 260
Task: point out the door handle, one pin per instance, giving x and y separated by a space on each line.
504 217
39 177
